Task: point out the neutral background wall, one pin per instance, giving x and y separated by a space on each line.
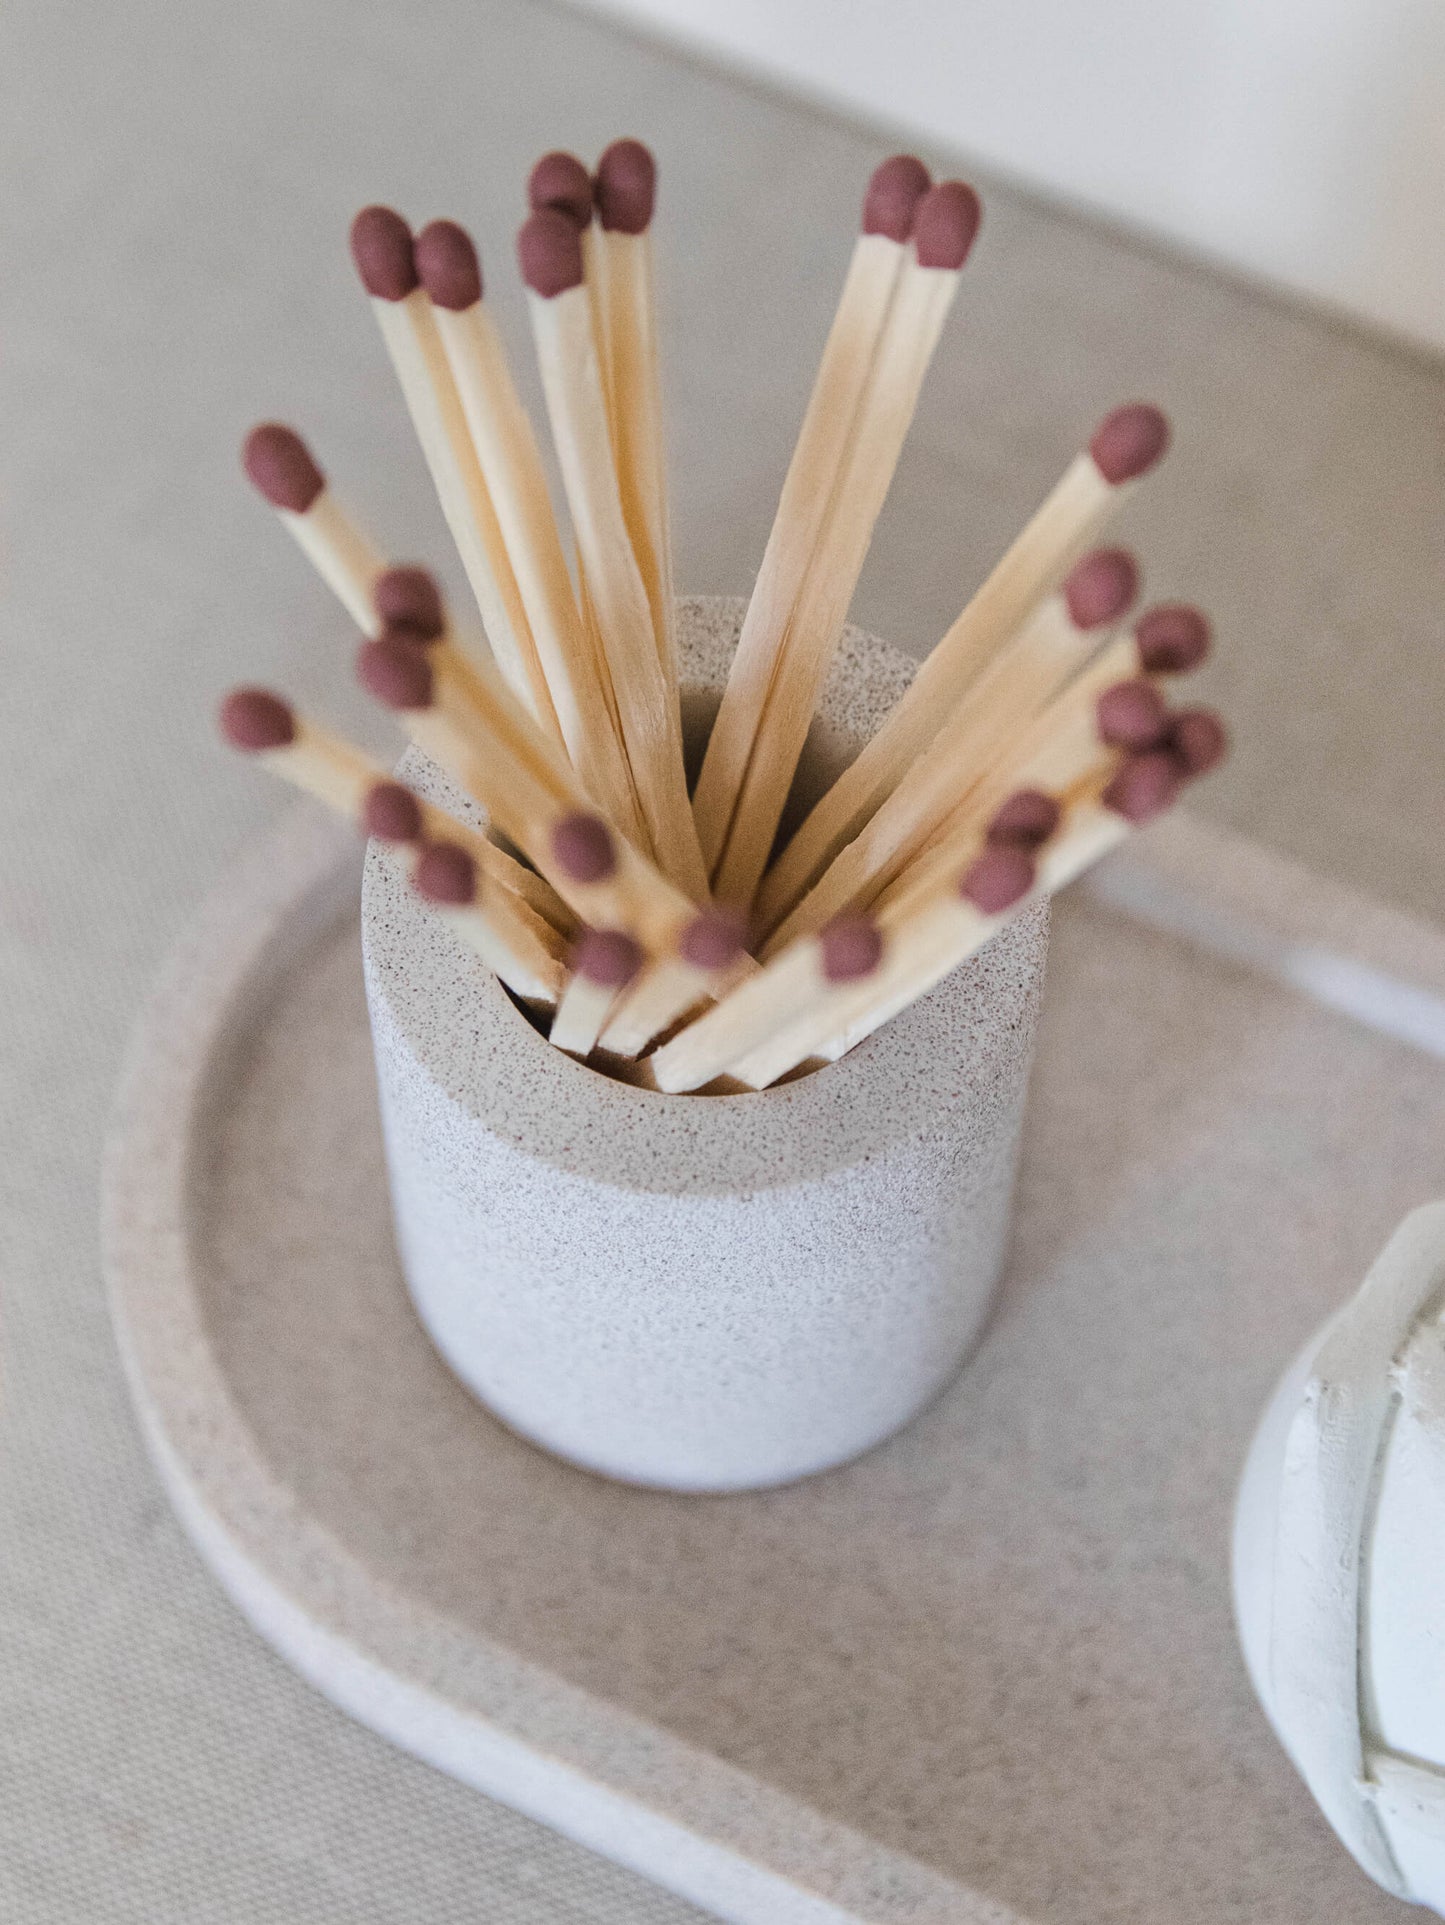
1299 140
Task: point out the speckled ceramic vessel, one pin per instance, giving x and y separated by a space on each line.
701 1293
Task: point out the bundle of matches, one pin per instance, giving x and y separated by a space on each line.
668 940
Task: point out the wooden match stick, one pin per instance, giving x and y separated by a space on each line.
1113 704
766 1003
624 196
445 876
944 226
1055 641
280 466
381 244
914 944
474 727
549 249
709 957
511 465
523 947
603 963
1125 446
559 183
878 254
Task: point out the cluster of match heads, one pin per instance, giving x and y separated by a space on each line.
675 939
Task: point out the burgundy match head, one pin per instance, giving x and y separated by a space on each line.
1132 715
446 874
409 604
446 260
253 719
1100 588
1144 786
549 253
561 182
852 947
1025 821
1172 638
279 465
381 247
997 879
625 190
396 672
608 957
1128 442
714 939
391 813
583 847
945 223
1199 741
894 192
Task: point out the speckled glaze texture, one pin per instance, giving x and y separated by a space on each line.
704 1294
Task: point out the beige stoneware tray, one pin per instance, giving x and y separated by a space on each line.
987 1673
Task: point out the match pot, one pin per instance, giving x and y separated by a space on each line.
701 1293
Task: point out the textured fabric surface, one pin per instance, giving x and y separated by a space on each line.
178 177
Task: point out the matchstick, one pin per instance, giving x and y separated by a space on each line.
945 223
877 260
280 466
559 183
766 1003
511 465
1126 445
549 250
1113 704
382 247
348 781
445 876
815 1012
479 733
1055 642
604 962
709 957
624 196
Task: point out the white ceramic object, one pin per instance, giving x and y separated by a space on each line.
1339 1565
701 1294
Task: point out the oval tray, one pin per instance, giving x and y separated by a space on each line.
988 1672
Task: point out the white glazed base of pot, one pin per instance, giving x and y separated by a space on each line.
700 1293
1339 1564
985 1674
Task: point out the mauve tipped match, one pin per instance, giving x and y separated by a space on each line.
1132 715
945 224
625 190
1144 786
391 813
561 182
852 948
549 253
893 195
714 939
1128 442
1025 821
1173 639
279 465
583 847
446 260
381 246
1099 588
1199 741
253 719
445 874
997 880
408 600
607 957
396 672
